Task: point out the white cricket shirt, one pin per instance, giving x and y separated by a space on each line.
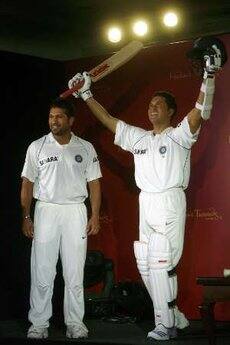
162 161
60 172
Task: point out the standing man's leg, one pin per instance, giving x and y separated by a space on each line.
166 214
141 247
175 234
73 255
44 258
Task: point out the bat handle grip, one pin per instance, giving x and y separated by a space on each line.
69 92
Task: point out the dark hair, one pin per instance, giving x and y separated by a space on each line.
169 99
64 104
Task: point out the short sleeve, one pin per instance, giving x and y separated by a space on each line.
93 170
30 170
127 136
183 135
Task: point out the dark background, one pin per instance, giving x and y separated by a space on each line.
27 86
71 29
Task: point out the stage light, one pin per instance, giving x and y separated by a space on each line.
114 34
170 19
140 28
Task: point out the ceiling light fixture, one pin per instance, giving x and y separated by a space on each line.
114 34
140 28
170 19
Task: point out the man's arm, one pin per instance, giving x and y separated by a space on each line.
203 107
194 116
99 112
93 225
26 200
102 115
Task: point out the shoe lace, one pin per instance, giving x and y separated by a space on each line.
36 330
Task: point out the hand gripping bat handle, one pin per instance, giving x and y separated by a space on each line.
69 92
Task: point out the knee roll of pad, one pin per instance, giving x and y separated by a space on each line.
141 255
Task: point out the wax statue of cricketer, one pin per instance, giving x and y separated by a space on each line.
162 171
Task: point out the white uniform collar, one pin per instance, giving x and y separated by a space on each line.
166 130
52 139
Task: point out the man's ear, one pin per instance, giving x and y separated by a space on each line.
71 120
171 112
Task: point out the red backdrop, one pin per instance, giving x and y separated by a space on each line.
126 94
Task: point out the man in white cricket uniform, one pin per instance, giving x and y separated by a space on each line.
162 169
58 167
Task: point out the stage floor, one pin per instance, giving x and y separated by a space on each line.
104 332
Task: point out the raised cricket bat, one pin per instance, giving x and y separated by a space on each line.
109 65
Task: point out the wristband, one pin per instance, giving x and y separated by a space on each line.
86 95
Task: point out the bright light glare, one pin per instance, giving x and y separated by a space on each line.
170 19
114 35
140 28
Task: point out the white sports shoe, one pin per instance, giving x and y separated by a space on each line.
37 332
160 332
180 320
77 331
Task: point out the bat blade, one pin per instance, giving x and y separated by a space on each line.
115 61
109 65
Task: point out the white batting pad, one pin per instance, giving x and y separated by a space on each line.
159 257
141 255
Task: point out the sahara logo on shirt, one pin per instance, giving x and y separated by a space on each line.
48 160
140 151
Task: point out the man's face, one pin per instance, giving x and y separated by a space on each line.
158 111
59 122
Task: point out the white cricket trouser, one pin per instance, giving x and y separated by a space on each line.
164 213
58 229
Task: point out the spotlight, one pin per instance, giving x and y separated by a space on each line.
170 19
140 28
114 34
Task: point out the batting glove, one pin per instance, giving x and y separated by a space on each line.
212 61
72 82
85 92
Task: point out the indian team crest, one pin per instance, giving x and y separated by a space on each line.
78 158
162 150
